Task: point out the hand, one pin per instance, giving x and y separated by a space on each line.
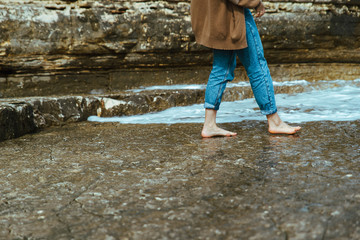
260 10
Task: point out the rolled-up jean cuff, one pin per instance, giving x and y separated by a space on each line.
268 112
210 106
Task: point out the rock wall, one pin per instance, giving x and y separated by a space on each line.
77 36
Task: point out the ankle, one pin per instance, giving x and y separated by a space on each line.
274 119
209 125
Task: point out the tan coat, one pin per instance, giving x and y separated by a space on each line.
220 24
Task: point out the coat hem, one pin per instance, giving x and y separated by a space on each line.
215 46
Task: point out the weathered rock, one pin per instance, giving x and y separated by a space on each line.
81 47
53 36
116 81
22 116
311 31
58 111
16 119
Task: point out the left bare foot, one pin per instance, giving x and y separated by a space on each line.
210 129
215 131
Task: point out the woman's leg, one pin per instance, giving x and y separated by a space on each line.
258 72
224 64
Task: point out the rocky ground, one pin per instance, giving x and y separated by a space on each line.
62 61
113 181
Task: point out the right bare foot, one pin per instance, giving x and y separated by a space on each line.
283 128
216 132
276 125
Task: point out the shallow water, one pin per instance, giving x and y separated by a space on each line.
322 100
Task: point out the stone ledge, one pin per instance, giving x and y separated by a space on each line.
16 119
27 115
115 81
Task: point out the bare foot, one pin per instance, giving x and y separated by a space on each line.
276 125
284 129
210 128
215 131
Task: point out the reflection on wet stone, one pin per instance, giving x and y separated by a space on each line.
72 179
97 181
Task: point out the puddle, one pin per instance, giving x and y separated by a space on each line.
322 100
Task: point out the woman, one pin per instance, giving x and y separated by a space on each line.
228 27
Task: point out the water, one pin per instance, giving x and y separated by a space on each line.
323 100
169 87
203 86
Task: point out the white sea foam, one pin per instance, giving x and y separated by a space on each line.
170 87
339 103
203 86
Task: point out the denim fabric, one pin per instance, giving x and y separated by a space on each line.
256 67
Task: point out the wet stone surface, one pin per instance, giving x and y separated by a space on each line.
113 181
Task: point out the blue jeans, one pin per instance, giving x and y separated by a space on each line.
256 67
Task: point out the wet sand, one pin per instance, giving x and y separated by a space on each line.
112 181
